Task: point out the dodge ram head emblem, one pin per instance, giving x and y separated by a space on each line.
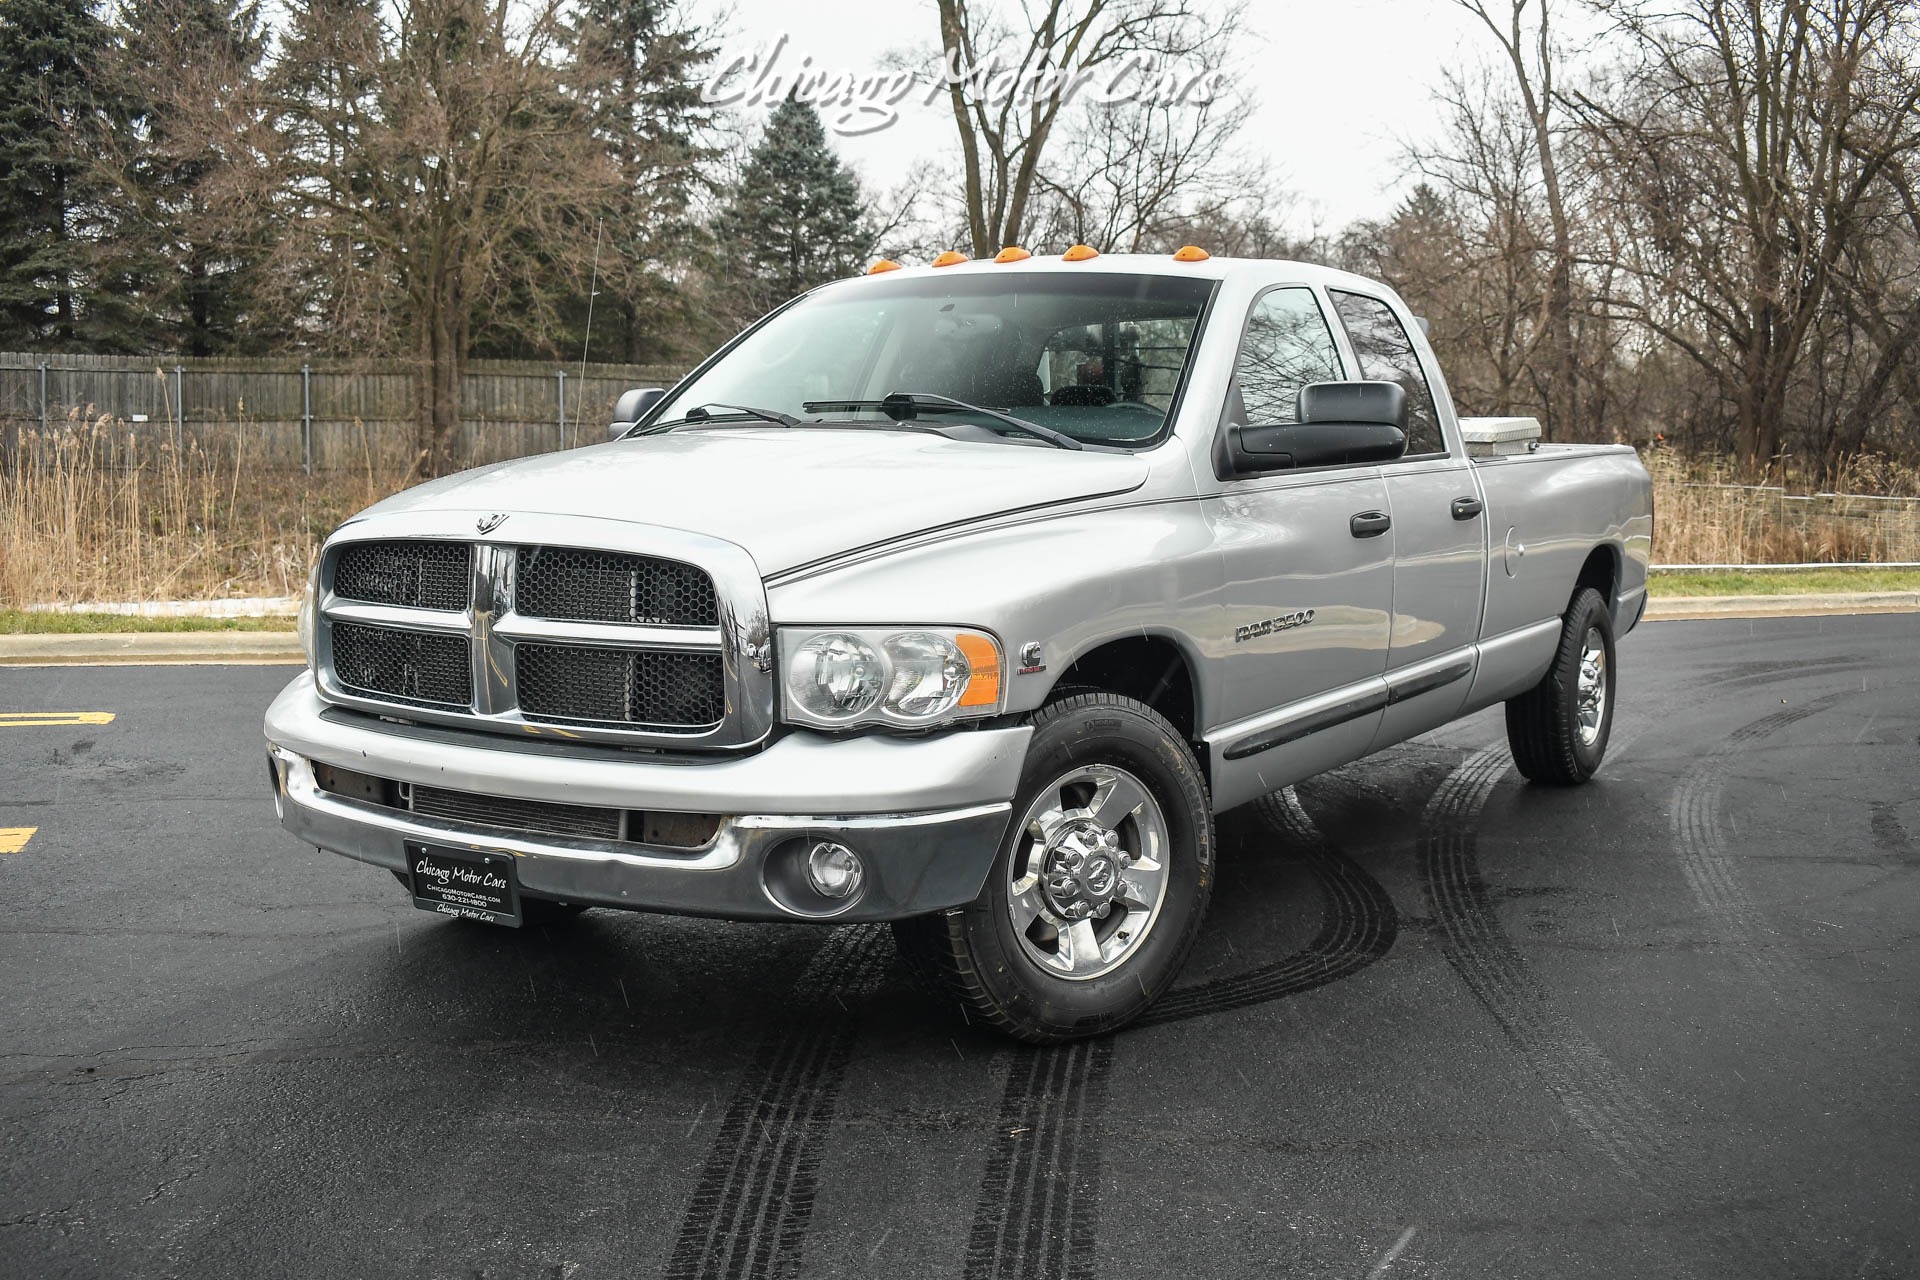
487 524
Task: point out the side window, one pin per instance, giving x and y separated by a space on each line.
1386 354
1287 345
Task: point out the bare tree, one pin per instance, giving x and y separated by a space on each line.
1005 136
428 174
1529 50
1750 153
1136 170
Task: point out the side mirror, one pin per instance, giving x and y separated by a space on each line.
1340 422
631 407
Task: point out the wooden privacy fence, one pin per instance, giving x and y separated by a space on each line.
314 415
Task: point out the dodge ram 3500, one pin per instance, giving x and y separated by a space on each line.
961 597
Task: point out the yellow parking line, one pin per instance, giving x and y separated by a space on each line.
32 719
14 839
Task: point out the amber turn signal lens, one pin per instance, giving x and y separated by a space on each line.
1080 253
983 655
948 258
1012 253
1191 253
885 264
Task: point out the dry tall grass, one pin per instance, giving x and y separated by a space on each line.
1701 516
100 510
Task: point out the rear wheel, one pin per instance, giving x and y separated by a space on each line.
1558 729
1100 884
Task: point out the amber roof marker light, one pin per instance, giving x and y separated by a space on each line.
1080 253
949 258
885 264
1012 253
1191 253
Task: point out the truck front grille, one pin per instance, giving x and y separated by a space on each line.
650 688
535 817
418 668
417 575
573 585
661 641
519 815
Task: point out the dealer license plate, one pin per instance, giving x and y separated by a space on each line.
472 886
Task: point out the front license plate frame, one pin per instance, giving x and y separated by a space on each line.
467 884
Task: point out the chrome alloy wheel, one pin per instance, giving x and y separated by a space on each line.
1591 697
1090 871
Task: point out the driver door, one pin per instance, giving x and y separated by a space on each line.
1307 596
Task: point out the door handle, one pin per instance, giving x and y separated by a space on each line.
1467 508
1370 524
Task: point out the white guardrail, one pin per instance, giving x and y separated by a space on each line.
1776 568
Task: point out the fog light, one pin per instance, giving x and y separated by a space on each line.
834 870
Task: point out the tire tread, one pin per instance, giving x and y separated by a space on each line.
1540 733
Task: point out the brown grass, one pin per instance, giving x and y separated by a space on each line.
1701 516
98 510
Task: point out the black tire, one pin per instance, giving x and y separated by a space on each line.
974 951
533 911
1544 730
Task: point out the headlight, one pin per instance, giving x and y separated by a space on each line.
835 677
305 622
925 676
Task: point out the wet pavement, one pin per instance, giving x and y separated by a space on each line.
1441 1023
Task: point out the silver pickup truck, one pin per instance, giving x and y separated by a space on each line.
960 597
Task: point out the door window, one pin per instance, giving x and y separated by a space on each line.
1386 354
1287 345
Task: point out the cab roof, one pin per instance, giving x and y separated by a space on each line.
1161 264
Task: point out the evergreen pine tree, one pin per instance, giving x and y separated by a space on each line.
797 217
636 68
49 50
183 272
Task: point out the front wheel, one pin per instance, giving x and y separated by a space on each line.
1558 729
1099 886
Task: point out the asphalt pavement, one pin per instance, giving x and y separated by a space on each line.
1441 1023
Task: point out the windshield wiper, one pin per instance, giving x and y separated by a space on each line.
906 404
704 413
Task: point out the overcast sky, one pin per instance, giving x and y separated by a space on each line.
1337 82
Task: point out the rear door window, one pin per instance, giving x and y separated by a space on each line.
1386 354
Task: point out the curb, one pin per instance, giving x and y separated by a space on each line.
252 647
1682 608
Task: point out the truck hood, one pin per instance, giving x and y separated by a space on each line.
789 496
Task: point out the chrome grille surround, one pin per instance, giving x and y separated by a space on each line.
494 630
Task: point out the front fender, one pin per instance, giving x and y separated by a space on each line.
1068 583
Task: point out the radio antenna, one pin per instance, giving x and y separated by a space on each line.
593 291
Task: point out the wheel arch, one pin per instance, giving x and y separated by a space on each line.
1601 571
1157 668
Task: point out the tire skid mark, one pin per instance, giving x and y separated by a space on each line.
1359 927
754 1201
1039 1197
1706 857
1595 1095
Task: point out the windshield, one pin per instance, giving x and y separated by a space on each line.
1098 357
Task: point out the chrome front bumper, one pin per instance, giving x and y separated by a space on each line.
925 815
